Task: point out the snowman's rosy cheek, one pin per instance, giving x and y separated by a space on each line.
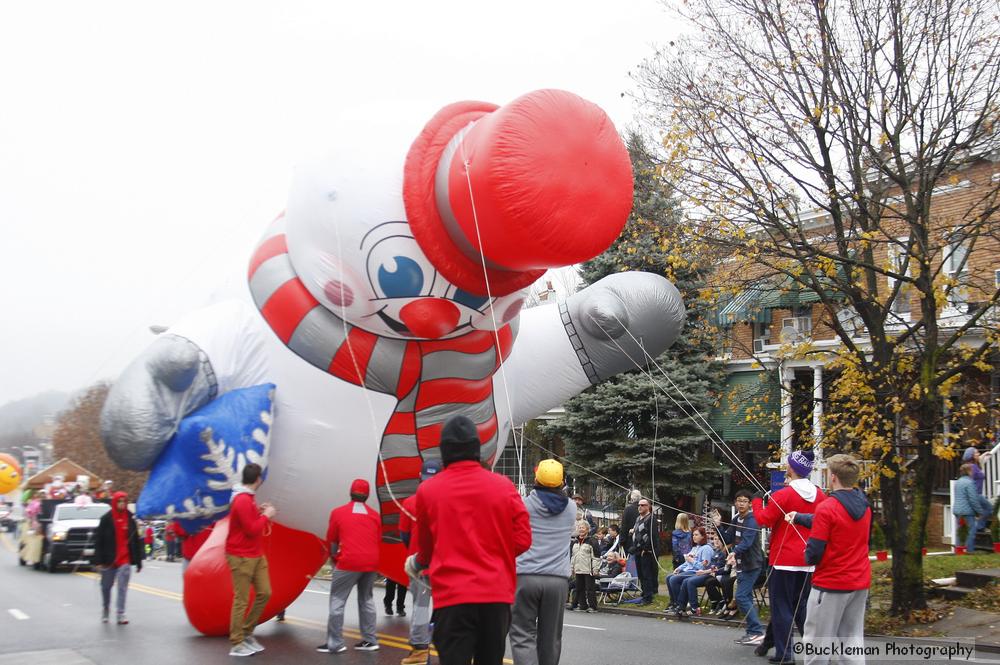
513 310
338 293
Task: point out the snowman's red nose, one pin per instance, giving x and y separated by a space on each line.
430 317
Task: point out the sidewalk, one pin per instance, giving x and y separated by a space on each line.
963 623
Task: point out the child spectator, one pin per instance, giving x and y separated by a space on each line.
680 539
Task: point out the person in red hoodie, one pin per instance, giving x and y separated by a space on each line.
471 526
838 546
247 563
788 585
353 535
117 547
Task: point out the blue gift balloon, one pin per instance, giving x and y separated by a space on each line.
192 479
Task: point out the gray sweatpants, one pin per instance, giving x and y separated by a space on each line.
537 619
420 615
109 576
341 583
833 619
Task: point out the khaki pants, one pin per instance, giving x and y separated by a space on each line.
247 571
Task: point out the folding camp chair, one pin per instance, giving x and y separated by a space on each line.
624 586
760 588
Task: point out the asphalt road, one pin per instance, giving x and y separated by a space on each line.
55 619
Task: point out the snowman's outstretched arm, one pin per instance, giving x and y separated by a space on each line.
605 329
166 382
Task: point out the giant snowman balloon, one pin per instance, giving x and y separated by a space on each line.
386 299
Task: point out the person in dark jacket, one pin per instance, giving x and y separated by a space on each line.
629 516
645 540
117 547
420 621
838 547
747 559
471 527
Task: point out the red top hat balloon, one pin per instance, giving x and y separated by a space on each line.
542 182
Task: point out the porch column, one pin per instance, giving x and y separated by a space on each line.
786 375
818 465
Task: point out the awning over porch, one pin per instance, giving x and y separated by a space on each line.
750 408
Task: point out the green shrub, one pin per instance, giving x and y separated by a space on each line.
963 531
878 537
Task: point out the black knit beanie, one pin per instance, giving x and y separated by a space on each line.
459 440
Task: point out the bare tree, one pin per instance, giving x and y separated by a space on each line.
848 149
77 437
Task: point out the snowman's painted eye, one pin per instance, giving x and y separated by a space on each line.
397 269
468 299
400 277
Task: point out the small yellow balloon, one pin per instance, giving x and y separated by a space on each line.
10 473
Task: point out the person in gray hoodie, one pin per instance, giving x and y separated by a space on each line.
539 601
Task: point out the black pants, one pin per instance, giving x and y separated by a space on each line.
471 631
789 593
720 589
394 589
586 592
646 564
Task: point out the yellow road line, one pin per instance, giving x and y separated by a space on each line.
393 641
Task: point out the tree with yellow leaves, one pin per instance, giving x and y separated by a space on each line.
848 149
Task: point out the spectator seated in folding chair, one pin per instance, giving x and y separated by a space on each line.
623 587
612 565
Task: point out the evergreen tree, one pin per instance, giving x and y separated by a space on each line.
619 427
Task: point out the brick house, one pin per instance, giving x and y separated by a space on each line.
774 403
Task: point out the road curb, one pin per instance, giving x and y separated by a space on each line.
711 621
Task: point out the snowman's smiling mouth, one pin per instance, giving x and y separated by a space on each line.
396 326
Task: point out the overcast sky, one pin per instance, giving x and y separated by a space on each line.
144 147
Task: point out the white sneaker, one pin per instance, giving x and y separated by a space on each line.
252 642
241 650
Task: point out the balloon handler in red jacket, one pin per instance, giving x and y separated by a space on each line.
471 526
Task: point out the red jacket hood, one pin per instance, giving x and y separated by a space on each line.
114 503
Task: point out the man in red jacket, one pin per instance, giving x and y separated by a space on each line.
471 526
353 536
245 556
788 585
838 546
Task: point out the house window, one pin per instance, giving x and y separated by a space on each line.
956 256
900 305
799 325
761 336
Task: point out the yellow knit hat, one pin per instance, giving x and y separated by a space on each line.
549 473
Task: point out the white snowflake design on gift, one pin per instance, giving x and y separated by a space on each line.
225 466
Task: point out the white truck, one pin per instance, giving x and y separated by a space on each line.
70 536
